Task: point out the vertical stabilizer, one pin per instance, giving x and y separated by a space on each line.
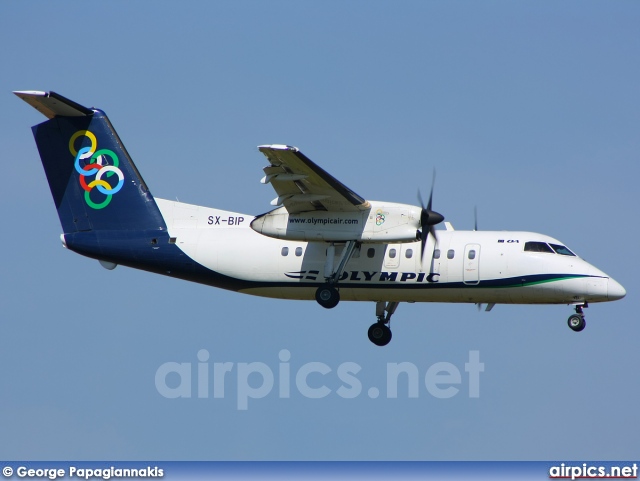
94 183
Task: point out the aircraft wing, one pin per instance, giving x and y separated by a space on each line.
303 186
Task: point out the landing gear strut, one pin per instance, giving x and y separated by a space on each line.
327 295
379 332
576 321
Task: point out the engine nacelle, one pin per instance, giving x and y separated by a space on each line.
383 222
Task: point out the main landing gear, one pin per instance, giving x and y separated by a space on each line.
576 321
379 332
327 295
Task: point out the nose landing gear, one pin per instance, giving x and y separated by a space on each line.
577 321
379 334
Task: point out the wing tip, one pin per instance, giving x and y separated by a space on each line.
30 93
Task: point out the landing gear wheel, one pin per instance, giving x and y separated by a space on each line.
576 322
379 334
327 296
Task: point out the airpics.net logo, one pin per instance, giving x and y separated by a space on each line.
206 379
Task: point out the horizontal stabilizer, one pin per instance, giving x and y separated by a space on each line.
51 104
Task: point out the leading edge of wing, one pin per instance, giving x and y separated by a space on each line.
277 155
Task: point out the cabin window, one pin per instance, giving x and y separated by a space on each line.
285 251
472 254
451 254
172 240
537 247
562 250
436 254
298 251
371 252
408 253
392 253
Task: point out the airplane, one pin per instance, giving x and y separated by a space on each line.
320 240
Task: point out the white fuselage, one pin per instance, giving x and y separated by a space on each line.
472 266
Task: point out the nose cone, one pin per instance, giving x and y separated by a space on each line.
615 290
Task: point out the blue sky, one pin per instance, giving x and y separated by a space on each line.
529 110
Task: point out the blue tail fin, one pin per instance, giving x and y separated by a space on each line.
94 183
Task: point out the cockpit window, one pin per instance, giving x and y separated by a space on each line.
538 247
562 250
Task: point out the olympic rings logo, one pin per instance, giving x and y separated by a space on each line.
96 163
380 218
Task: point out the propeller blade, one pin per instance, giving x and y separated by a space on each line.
420 199
432 231
433 184
423 232
423 243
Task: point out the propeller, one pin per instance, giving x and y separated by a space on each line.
428 218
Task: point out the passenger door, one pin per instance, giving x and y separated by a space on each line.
471 264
